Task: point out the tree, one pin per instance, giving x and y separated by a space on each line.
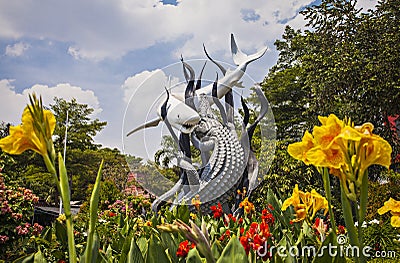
81 128
347 63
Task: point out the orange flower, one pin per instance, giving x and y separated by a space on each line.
247 206
196 202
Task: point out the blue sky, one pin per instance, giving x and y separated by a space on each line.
101 51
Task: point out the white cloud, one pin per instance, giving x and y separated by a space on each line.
101 29
366 4
17 49
12 103
143 92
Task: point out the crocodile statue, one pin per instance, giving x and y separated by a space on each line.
231 166
224 169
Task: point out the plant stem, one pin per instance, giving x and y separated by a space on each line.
65 196
352 231
363 207
327 186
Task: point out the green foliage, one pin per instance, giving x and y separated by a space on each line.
83 164
109 193
347 64
284 173
81 128
380 191
382 237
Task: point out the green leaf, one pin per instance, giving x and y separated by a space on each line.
323 254
142 244
134 255
193 256
25 259
92 247
125 249
216 249
61 233
233 252
169 242
283 252
155 252
93 252
39 258
183 213
47 234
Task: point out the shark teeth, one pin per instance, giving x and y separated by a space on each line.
191 122
188 125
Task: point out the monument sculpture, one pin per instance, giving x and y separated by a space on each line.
228 162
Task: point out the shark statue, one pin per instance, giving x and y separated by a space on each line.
183 117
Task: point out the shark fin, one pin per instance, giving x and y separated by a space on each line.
239 57
152 123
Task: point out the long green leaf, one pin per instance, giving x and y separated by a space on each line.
155 252
134 255
61 233
65 196
94 206
193 256
168 241
125 249
233 252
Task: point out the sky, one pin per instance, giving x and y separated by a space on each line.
117 56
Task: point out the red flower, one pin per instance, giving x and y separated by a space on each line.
245 243
258 241
111 214
226 234
256 236
217 211
267 217
184 248
231 217
240 221
264 230
341 230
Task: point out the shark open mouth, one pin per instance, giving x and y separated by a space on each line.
190 124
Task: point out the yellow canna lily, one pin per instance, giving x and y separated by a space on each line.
305 204
331 157
393 206
319 202
374 150
293 200
299 150
196 202
28 135
325 135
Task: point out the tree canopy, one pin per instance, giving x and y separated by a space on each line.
346 63
81 127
